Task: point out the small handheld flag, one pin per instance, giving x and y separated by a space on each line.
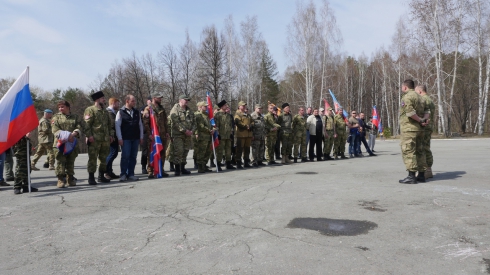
211 119
156 147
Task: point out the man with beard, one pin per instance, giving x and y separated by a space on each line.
182 119
224 123
99 132
258 141
162 126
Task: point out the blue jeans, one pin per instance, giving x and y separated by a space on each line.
129 151
111 157
363 140
354 143
2 161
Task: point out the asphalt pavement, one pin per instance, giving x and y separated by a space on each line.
333 217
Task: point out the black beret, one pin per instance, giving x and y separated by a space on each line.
97 95
222 103
284 105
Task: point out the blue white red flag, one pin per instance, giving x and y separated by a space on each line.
17 113
326 105
375 116
338 106
157 147
211 119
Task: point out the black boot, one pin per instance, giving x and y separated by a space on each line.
342 156
328 157
247 164
143 170
206 169
304 159
295 160
195 165
239 165
410 179
177 170
101 177
261 163
183 170
91 179
255 164
212 163
46 165
172 167
229 166
421 177
219 166
201 168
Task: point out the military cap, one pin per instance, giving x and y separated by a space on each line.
330 109
48 111
185 97
321 109
258 106
242 103
222 103
200 104
284 105
97 95
157 95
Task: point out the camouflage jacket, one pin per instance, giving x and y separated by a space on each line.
112 115
286 122
224 123
329 123
258 130
182 119
299 125
70 123
20 148
411 104
243 120
160 119
271 123
203 126
339 123
98 124
432 108
44 129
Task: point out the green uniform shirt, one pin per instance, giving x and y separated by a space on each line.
286 122
329 123
70 123
432 108
182 120
203 125
99 124
411 104
160 119
243 120
299 125
270 123
224 124
258 126
339 123
45 133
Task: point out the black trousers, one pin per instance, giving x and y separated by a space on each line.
315 140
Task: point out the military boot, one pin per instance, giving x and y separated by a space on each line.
285 160
51 167
410 179
428 173
144 171
229 166
219 166
177 170
61 182
91 179
46 165
33 167
195 164
183 170
420 177
212 163
70 181
304 159
342 156
201 168
247 164
255 164
206 169
288 160
239 164
101 177
295 160
172 167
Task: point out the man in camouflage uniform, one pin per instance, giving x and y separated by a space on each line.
21 176
99 132
8 164
243 123
299 135
422 91
412 121
330 134
339 141
258 140
65 164
286 135
202 133
271 129
45 141
162 126
224 123
183 126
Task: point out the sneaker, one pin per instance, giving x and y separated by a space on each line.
133 178
123 178
107 176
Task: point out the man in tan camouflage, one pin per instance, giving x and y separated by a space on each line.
45 141
330 134
271 129
286 134
422 91
299 136
413 117
202 132
243 123
183 126
258 140
224 124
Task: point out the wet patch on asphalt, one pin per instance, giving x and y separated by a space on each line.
333 227
371 206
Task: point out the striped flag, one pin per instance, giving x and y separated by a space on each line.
17 113
211 119
157 147
338 106
375 116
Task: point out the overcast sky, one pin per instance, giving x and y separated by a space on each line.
69 43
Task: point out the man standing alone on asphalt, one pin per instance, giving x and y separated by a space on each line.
99 135
129 131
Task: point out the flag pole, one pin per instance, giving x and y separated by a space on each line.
214 151
28 153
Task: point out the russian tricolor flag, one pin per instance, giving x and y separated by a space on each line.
211 120
17 113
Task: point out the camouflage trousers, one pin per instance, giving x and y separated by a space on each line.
181 147
270 144
428 153
243 147
202 149
258 149
169 154
65 164
97 150
44 148
328 141
21 178
8 164
224 147
339 143
299 141
413 153
149 149
287 144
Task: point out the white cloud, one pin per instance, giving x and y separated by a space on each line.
33 29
